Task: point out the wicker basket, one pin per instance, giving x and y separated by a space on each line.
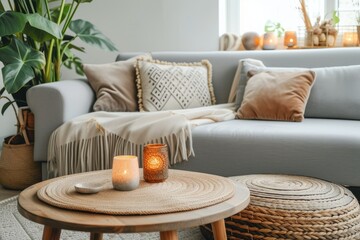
17 167
18 170
293 207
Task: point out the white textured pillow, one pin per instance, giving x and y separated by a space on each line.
169 86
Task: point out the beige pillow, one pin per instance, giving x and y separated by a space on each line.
276 95
114 85
169 86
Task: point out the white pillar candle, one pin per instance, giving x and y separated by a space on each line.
125 173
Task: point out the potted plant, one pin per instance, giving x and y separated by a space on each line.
273 31
37 39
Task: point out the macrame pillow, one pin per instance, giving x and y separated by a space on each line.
170 86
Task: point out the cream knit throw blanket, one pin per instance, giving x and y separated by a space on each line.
89 142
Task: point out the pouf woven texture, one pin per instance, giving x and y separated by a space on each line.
293 207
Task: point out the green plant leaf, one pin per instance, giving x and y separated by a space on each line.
11 22
20 62
75 62
16 75
2 91
83 1
41 29
335 18
1 6
56 12
5 107
87 32
77 48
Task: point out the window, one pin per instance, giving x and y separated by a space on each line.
348 11
240 16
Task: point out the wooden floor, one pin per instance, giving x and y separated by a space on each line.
5 193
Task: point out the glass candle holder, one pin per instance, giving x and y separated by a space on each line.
155 163
350 39
290 39
125 173
270 41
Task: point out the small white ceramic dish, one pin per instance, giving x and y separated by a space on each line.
89 188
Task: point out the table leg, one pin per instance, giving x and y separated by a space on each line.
169 235
50 233
219 231
96 236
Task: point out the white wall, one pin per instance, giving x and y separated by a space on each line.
151 25
8 120
144 25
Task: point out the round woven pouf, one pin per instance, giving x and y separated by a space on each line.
293 207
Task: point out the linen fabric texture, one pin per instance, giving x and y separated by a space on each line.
103 135
114 85
276 95
330 97
170 86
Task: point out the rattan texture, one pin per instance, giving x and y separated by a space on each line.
294 207
182 191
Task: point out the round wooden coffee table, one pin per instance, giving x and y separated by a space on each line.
55 219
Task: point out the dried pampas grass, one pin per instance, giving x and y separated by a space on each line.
306 18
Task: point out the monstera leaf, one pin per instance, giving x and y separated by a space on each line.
20 62
87 32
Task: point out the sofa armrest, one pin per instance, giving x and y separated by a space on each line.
55 103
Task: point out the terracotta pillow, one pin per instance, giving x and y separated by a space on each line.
114 85
276 95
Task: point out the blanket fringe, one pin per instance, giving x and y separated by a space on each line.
97 153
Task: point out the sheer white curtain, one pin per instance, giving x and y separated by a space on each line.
239 16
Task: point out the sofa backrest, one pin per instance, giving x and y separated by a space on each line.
225 65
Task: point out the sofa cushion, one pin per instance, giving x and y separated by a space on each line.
330 96
169 86
114 85
276 95
323 148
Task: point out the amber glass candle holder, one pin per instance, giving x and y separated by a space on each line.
125 173
155 163
290 39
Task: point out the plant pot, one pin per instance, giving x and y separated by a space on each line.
28 122
17 167
18 170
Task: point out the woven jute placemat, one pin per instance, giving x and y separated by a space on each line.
294 207
182 191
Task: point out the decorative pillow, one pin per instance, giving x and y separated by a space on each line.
238 86
241 76
276 95
334 94
169 86
114 85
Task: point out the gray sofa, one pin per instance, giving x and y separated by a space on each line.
323 147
